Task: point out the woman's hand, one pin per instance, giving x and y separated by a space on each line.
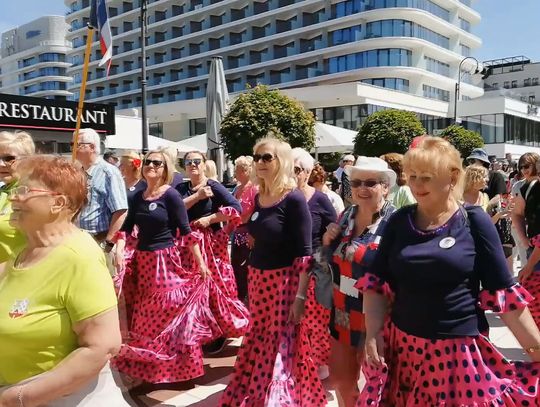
375 350
203 222
10 397
204 193
118 258
332 232
297 311
525 272
205 272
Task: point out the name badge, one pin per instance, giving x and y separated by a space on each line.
254 216
447 243
152 206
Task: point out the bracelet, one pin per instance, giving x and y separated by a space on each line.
533 349
20 396
301 297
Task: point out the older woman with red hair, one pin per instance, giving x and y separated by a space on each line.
60 324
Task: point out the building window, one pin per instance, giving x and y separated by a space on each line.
534 81
404 28
372 58
506 85
527 82
346 8
435 66
390 83
197 126
436 93
465 50
156 129
32 34
464 25
514 84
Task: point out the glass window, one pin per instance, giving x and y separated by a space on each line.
384 57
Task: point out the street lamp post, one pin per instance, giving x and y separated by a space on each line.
144 10
484 71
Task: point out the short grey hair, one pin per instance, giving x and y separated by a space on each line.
90 136
302 157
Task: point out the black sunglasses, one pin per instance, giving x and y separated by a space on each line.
192 161
155 163
370 183
8 159
298 170
265 157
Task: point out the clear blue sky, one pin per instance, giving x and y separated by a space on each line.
508 27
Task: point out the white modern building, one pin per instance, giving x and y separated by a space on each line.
343 59
33 59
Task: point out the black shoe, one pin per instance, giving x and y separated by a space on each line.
213 348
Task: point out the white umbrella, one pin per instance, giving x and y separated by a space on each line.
131 142
332 139
217 98
195 143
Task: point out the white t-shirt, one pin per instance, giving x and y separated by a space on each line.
336 201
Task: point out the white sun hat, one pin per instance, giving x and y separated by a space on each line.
372 164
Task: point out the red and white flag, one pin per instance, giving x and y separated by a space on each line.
99 18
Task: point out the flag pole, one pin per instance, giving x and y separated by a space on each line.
144 117
82 92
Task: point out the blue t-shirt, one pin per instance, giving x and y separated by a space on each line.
158 220
282 232
222 198
436 284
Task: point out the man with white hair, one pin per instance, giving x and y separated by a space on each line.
106 210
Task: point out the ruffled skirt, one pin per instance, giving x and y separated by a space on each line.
463 372
152 350
532 285
274 367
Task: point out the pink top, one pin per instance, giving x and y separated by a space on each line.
247 200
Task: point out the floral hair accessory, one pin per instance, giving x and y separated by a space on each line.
137 162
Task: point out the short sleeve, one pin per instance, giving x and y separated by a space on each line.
490 263
497 185
90 291
116 198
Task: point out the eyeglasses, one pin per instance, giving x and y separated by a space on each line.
298 170
155 163
24 190
370 183
78 144
188 162
525 166
8 159
266 158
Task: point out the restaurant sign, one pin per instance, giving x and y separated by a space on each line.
27 112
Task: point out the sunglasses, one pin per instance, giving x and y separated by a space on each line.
370 183
266 158
525 166
78 144
298 170
155 163
192 161
8 159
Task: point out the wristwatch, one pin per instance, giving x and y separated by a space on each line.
106 246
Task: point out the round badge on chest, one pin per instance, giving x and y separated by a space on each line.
447 243
152 206
132 189
254 216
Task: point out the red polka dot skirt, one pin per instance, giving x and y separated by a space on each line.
230 313
532 285
274 367
316 321
151 351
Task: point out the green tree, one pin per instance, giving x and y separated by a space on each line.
387 131
260 110
462 139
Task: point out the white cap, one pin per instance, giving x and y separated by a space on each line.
373 164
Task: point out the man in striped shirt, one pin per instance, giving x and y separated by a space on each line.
106 210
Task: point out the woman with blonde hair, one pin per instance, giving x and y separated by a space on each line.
13 147
445 266
400 194
152 351
274 367
211 170
245 192
131 167
476 178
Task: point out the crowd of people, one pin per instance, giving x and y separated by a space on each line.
144 264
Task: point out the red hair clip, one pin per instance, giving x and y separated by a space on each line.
137 162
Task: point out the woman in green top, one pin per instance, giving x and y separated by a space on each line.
58 315
400 194
13 146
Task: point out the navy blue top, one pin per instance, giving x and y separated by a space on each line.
436 289
282 232
322 214
208 206
158 220
132 191
178 179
